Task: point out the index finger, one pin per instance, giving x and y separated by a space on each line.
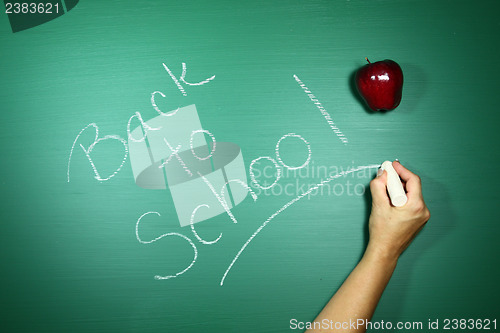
413 183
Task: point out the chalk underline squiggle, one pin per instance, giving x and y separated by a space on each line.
288 204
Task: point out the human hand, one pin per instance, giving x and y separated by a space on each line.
391 228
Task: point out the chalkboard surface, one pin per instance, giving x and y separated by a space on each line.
189 166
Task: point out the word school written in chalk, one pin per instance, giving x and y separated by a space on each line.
276 160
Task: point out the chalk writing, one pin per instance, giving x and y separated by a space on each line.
323 111
252 174
145 126
182 78
194 231
192 148
175 152
221 199
92 145
277 162
285 206
278 151
153 103
159 277
183 75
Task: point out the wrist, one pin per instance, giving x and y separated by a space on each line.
381 254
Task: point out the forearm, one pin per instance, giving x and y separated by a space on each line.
358 296
391 231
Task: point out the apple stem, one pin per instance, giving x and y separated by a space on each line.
367 60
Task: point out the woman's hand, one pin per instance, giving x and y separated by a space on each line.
393 228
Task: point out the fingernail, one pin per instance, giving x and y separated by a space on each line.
380 172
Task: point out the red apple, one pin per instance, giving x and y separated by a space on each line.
380 84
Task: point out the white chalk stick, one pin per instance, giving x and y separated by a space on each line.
394 185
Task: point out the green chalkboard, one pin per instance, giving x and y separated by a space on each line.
203 166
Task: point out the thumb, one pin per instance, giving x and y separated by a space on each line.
378 189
